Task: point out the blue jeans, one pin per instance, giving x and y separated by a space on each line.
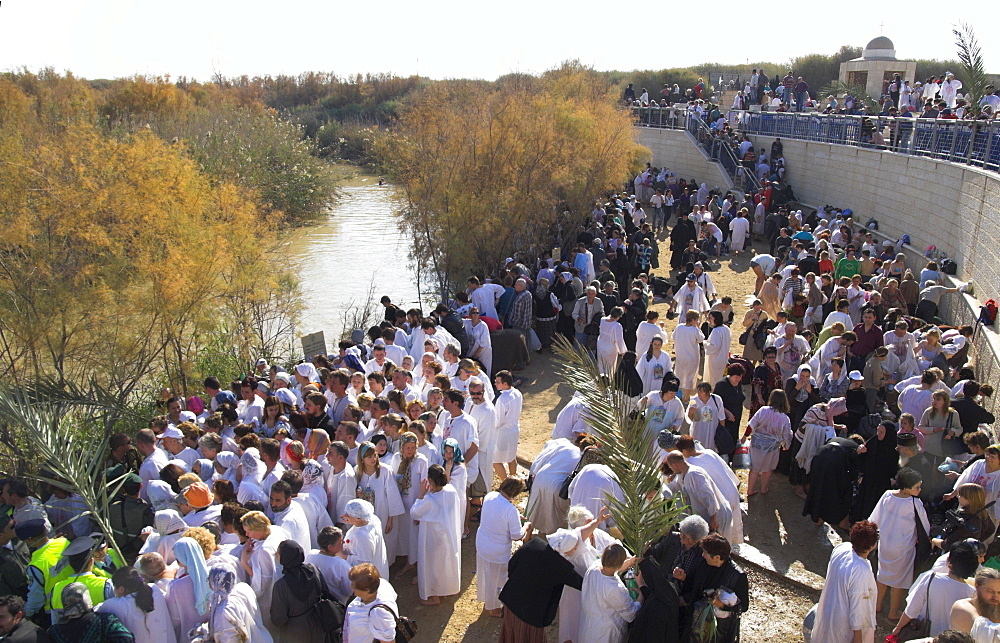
800 101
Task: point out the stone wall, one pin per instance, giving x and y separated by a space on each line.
677 150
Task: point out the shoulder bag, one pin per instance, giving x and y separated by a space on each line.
919 628
564 489
725 444
406 628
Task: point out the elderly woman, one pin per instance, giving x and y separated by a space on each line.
80 624
574 545
726 583
234 615
499 526
770 432
168 527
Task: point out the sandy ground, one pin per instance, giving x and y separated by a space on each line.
778 537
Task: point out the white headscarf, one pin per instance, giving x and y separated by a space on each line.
564 540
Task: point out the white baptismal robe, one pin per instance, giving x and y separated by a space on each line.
848 599
439 542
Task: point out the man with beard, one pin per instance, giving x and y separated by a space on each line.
980 615
911 456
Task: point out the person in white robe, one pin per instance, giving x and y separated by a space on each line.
647 330
570 422
894 515
664 411
341 481
410 469
740 230
376 483
312 498
576 545
234 614
288 515
257 558
334 568
653 365
438 510
724 478
700 491
690 296
717 348
187 595
499 526
846 608
168 528
479 335
456 469
607 606
252 471
508 426
140 607
545 509
611 342
933 594
364 542
705 412
687 352
485 415
591 488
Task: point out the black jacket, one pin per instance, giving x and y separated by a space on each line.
27 632
971 414
536 574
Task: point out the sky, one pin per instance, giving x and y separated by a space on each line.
449 39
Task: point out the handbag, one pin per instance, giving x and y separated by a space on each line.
564 489
406 628
923 541
919 628
744 337
954 445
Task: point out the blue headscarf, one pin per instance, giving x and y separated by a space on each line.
453 443
190 554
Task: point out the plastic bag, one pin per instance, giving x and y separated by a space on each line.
534 344
741 458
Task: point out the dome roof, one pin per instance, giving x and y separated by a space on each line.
880 43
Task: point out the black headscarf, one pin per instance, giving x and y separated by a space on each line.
300 575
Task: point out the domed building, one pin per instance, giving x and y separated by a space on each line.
877 67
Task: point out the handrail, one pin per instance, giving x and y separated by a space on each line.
975 143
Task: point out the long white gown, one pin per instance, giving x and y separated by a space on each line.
687 355
592 486
652 370
383 492
508 409
717 353
265 570
690 299
485 416
610 345
704 497
727 482
896 551
439 539
645 333
570 422
499 527
848 599
403 528
607 608
546 510
585 555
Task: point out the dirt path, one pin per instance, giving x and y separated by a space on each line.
777 535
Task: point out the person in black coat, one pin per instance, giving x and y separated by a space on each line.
970 413
656 621
683 232
536 575
832 475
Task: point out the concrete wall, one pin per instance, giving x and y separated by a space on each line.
677 150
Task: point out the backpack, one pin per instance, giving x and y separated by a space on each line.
949 267
868 425
406 628
872 224
988 312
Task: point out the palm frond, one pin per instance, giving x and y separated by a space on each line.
65 427
625 447
970 55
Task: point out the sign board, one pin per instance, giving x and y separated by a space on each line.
314 344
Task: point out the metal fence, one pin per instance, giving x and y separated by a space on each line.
974 143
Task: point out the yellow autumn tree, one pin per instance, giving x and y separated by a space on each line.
117 257
488 169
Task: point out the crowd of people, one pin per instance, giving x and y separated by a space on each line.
279 505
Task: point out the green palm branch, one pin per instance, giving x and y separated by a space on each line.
643 514
63 429
970 55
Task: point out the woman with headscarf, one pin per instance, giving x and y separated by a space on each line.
294 598
730 390
627 379
142 608
802 393
313 499
81 624
376 483
234 616
410 467
833 471
438 511
168 528
683 232
878 465
188 594
364 542
161 496
252 472
835 383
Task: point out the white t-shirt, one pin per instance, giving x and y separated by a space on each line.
334 570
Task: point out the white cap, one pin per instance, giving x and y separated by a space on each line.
172 432
262 362
856 376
